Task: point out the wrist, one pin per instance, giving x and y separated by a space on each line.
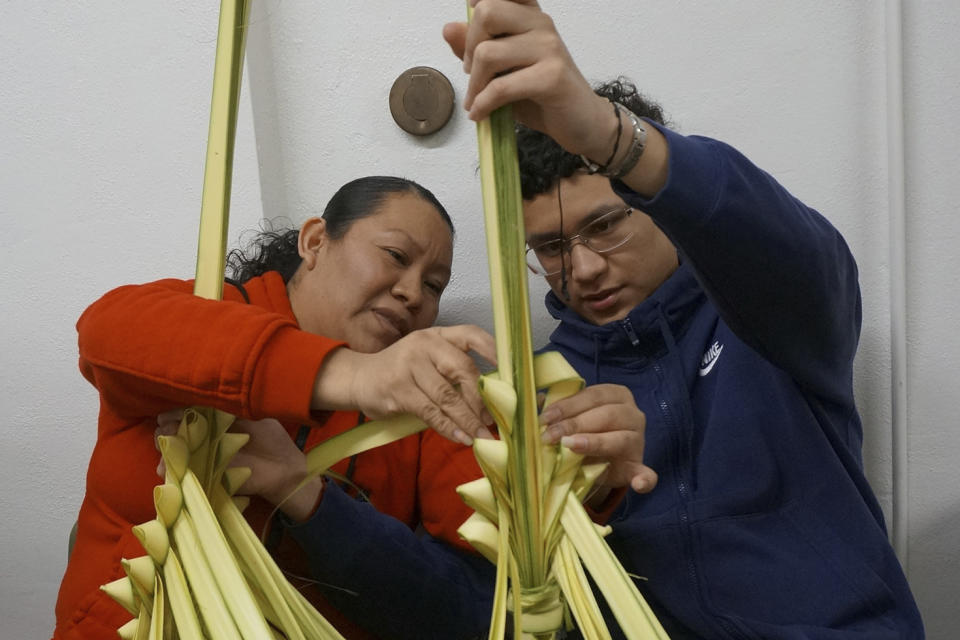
602 141
629 144
301 505
333 384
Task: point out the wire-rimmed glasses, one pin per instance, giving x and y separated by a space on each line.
601 235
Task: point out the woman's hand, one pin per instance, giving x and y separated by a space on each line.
427 373
277 466
603 422
513 53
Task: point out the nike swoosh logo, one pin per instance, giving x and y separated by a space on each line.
714 355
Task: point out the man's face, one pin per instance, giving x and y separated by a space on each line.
602 287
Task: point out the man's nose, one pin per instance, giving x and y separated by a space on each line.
585 263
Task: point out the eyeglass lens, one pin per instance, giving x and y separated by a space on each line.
602 234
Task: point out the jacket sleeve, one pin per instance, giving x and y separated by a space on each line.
444 466
391 581
155 347
780 274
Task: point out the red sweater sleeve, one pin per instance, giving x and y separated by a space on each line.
154 347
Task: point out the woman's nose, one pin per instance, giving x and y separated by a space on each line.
407 289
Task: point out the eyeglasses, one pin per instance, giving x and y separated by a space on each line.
601 235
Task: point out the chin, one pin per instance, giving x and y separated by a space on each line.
370 343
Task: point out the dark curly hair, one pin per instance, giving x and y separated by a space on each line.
543 162
276 249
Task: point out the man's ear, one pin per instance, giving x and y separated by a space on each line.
313 236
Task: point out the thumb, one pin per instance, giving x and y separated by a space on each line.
455 33
644 480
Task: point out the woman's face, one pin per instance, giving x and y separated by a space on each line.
379 281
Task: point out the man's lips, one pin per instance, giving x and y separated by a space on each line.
601 300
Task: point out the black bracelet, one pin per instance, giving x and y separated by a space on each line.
616 144
593 167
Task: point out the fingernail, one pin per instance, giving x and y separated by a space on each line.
462 437
550 415
574 443
484 433
550 436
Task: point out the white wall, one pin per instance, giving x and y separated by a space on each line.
104 114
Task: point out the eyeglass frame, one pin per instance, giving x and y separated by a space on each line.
568 243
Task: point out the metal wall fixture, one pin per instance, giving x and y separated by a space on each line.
421 100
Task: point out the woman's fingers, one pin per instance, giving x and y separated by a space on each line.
467 337
428 373
454 405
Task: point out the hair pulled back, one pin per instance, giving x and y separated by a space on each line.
276 249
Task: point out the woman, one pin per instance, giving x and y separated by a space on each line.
370 274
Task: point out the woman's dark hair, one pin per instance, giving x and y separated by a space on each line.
543 162
276 250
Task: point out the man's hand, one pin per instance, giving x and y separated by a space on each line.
514 55
603 422
277 466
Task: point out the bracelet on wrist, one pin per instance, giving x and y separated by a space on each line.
638 141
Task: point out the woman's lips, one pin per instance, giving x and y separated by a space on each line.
391 322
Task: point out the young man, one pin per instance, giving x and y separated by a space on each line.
732 311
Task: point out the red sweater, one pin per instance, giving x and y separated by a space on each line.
156 347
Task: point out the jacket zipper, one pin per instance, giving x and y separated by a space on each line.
671 423
628 327
681 482
682 486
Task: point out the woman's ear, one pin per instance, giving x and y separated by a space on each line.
313 236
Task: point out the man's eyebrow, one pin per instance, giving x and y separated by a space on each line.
603 209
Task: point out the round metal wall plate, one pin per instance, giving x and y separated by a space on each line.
421 100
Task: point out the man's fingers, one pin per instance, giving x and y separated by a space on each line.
170 417
645 480
166 429
610 445
587 399
455 33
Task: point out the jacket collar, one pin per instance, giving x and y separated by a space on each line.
669 309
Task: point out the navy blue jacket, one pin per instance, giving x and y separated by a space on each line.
763 525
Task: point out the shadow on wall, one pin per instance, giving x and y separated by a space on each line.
476 310
934 573
871 385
